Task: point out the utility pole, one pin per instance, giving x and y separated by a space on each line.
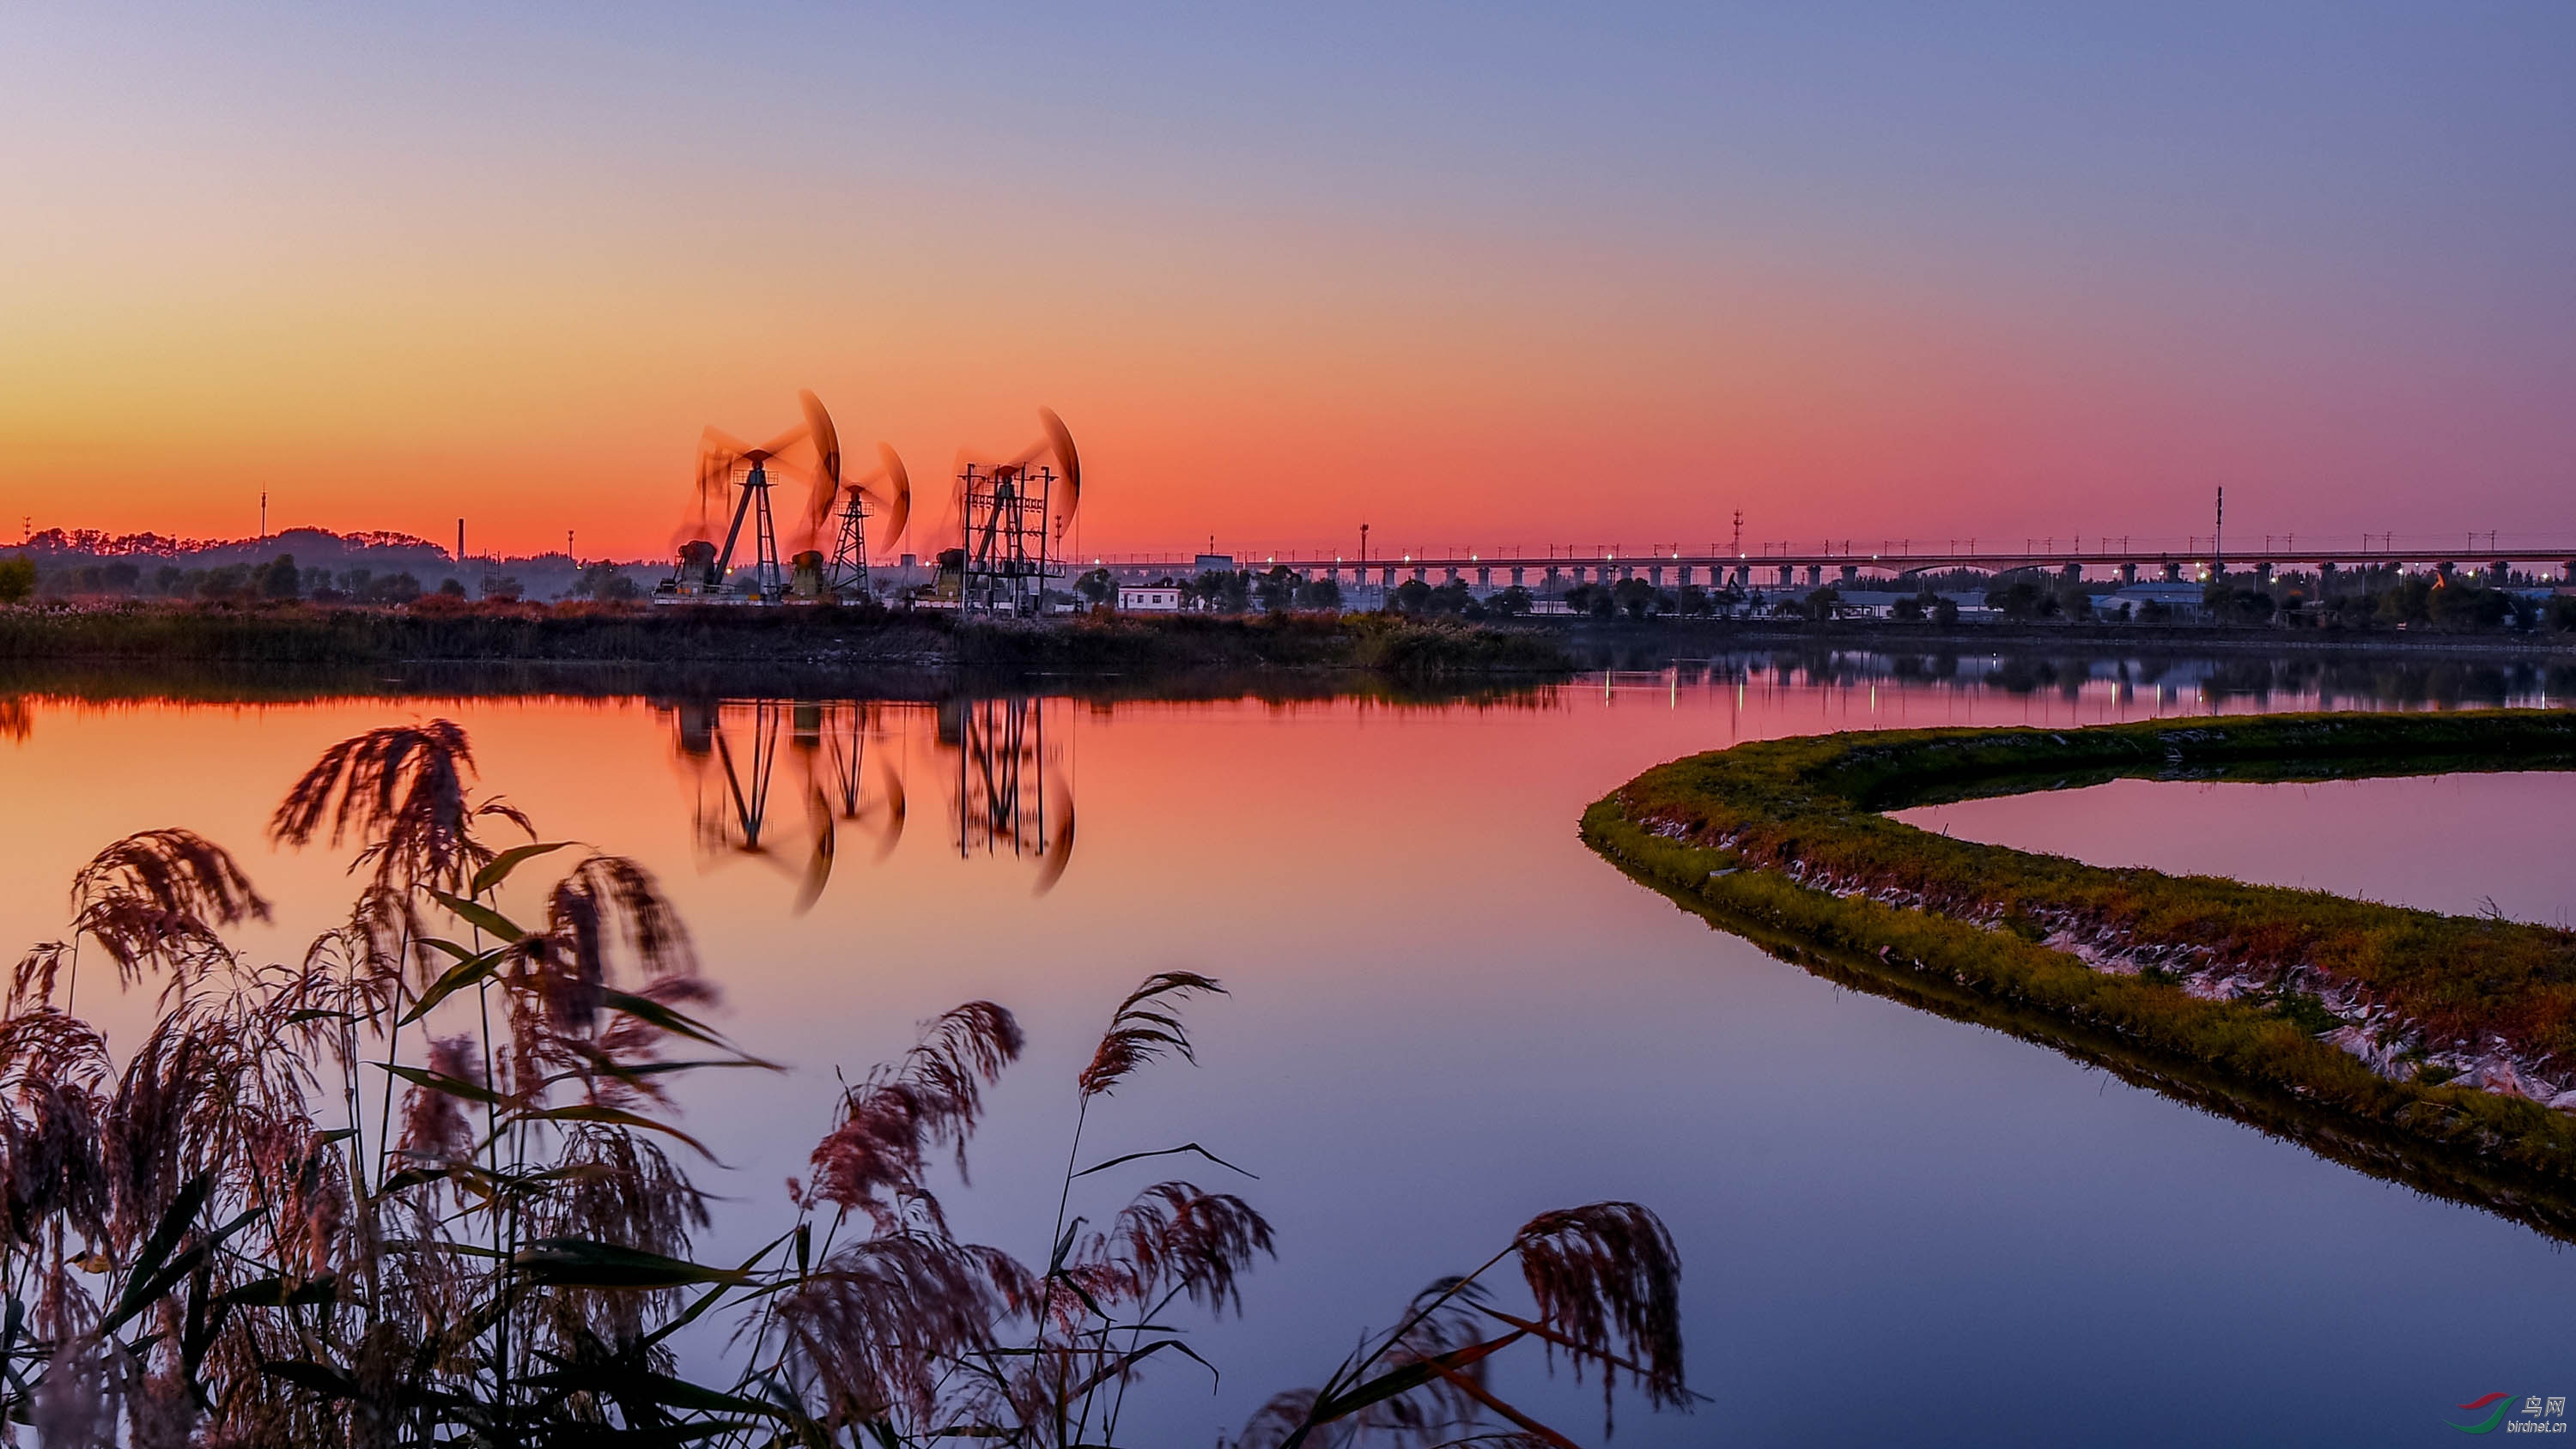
2218 540
1736 545
263 515
460 543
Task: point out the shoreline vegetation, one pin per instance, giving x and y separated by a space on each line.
839 638
2437 1050
439 630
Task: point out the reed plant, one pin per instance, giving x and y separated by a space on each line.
427 1185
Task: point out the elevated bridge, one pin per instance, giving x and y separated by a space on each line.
1782 567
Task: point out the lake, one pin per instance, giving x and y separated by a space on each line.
1447 1015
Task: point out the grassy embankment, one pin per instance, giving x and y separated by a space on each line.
1784 841
863 637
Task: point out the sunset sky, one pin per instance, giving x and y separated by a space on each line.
1477 275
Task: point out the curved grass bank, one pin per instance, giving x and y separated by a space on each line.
2421 1046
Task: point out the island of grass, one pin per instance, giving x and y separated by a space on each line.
858 637
2440 1050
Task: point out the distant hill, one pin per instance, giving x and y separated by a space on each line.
94 561
312 547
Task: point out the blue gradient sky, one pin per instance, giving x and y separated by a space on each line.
1483 275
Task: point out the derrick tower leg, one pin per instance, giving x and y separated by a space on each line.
849 568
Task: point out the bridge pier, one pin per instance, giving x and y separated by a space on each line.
1453 575
2263 571
1386 577
1744 574
1815 576
1655 575
1851 573
1484 577
1788 576
1550 577
2567 574
2128 574
2499 574
2173 573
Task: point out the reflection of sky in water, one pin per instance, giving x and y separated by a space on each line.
1447 1015
2461 843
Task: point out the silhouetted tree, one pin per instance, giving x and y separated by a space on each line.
281 579
602 580
1320 594
1277 589
2022 599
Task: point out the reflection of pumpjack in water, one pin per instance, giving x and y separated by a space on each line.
1011 793
734 762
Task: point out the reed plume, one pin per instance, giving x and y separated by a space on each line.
608 907
161 896
401 791
53 1069
1606 1282
881 1326
1608 1285
1173 1240
892 1120
1144 1028
434 1129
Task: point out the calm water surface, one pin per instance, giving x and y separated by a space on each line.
1447 1015
2467 844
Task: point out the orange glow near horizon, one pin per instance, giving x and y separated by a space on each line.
509 274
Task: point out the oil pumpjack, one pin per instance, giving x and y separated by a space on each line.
726 465
1013 517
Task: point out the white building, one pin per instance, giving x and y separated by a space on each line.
1149 598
